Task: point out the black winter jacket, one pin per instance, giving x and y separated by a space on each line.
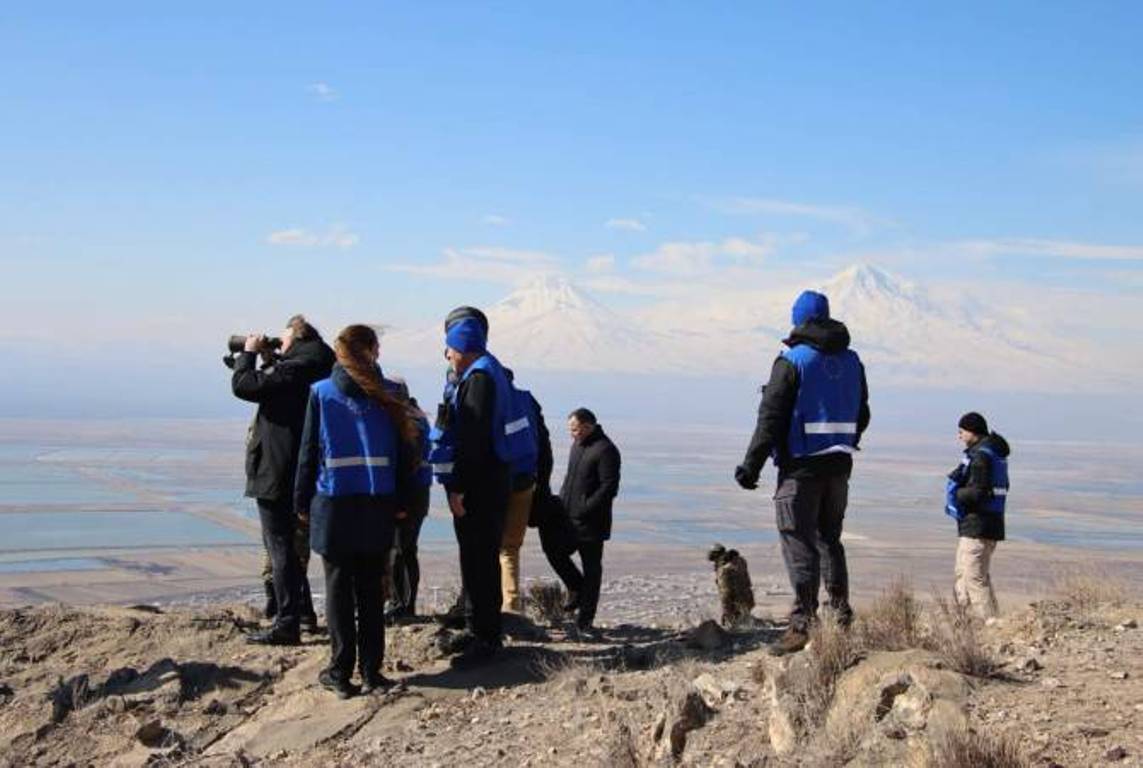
590 486
281 391
347 525
777 407
477 471
977 489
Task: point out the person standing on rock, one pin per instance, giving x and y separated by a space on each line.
280 388
977 492
473 451
814 411
589 489
356 469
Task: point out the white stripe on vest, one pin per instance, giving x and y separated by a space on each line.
831 428
442 469
513 427
358 461
999 491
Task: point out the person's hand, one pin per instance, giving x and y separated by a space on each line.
456 504
253 342
745 478
402 514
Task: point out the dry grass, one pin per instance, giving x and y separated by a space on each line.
808 683
956 638
545 601
961 748
893 622
1086 590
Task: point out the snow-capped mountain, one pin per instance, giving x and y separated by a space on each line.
907 334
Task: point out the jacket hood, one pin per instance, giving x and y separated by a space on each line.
997 444
313 353
824 335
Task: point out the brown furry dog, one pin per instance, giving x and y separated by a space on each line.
735 591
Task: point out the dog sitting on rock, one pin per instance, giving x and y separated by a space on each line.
735 591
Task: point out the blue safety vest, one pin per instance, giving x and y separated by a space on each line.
358 444
825 413
996 502
514 434
425 468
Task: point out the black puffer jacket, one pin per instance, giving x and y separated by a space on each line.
281 391
777 407
590 486
977 489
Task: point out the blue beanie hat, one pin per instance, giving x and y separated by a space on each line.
467 336
811 305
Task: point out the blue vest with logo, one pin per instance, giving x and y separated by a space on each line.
425 468
358 444
825 413
442 438
996 502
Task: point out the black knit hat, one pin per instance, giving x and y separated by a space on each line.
461 313
973 422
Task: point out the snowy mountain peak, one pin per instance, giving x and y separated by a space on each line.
868 281
546 294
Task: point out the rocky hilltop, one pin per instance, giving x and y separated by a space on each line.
1058 683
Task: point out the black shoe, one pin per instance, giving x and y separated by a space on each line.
308 624
477 653
376 682
331 682
586 633
451 620
275 636
572 604
398 615
271 608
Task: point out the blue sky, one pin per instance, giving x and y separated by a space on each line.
185 172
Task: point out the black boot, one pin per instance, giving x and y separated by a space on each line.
271 609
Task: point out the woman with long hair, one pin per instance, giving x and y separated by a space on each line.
355 471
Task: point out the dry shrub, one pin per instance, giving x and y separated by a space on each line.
893 622
956 638
807 685
566 673
1087 589
546 601
962 748
620 748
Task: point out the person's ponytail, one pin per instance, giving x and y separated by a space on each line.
352 349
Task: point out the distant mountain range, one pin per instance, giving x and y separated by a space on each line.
906 335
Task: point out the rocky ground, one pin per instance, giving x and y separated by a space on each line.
179 686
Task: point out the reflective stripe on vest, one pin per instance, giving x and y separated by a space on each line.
831 427
357 461
513 427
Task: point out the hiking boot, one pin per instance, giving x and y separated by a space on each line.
475 654
452 619
586 633
572 604
271 608
275 636
375 682
339 685
791 641
398 616
308 624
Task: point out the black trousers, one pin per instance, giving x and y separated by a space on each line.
279 525
406 566
478 536
559 545
810 513
354 611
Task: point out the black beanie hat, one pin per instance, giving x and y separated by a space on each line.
973 422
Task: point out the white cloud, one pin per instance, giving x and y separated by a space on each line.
689 259
335 237
486 263
858 221
495 220
626 225
322 91
598 264
1065 249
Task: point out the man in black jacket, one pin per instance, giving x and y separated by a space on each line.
980 485
590 487
477 491
813 412
281 390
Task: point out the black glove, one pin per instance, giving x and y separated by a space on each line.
745 478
